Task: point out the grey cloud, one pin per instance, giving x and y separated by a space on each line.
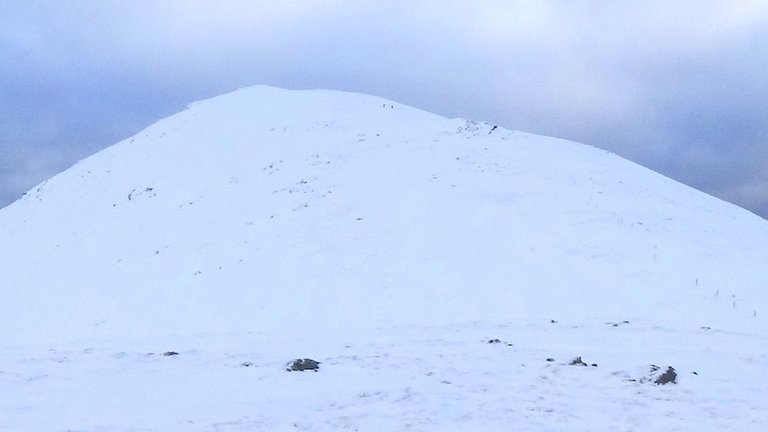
676 86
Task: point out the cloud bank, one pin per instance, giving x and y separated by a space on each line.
676 86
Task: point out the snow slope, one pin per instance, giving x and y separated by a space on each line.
390 244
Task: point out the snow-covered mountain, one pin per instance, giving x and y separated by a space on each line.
392 244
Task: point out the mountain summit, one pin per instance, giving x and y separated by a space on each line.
275 209
318 260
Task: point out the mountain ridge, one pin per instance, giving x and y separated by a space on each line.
356 191
445 274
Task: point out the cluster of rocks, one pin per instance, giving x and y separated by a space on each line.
297 365
655 374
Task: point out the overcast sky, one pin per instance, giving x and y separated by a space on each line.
678 86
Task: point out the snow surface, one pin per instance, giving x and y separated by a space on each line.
391 245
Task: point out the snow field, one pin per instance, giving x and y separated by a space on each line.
410 378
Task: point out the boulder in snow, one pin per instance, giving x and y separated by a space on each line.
300 365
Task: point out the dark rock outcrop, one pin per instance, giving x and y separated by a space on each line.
300 365
670 376
577 362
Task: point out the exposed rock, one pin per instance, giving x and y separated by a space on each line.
577 362
670 376
300 365
658 375
616 324
170 353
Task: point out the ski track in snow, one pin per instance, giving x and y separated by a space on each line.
419 379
